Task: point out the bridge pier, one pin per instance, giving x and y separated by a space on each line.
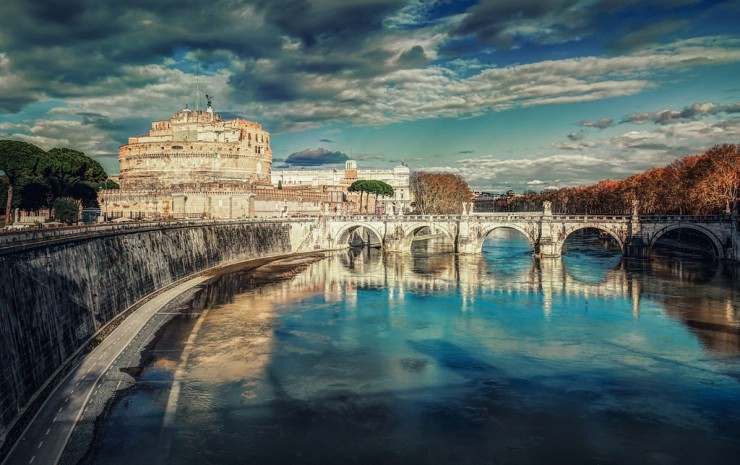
636 248
465 242
546 246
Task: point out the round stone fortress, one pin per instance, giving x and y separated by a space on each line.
196 148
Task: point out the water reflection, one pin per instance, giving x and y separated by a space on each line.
372 358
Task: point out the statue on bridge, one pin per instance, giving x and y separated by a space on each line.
547 205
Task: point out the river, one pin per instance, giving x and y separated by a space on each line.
437 358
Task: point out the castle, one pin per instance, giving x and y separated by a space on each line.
196 147
198 165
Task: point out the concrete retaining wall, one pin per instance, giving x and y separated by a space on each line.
53 298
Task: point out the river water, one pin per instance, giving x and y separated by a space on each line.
436 359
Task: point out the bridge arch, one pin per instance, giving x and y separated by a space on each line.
488 230
613 234
410 231
347 229
719 251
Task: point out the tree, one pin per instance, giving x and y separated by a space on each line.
66 210
358 186
73 163
33 192
702 184
722 185
380 188
439 193
71 173
17 159
371 187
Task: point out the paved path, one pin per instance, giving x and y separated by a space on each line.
44 440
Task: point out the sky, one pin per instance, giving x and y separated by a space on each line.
523 95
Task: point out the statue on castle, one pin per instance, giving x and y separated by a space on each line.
209 100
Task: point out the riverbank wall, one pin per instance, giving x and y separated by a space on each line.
54 298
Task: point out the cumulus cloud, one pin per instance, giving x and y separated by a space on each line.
575 135
601 123
572 169
313 157
692 112
614 157
48 134
328 141
577 144
368 157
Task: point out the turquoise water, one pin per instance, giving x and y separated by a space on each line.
502 358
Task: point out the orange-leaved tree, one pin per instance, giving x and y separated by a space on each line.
439 193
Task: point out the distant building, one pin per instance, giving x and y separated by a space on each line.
338 180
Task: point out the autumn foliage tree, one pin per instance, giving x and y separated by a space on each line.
439 193
703 184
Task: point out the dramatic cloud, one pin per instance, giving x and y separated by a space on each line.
90 73
313 157
507 24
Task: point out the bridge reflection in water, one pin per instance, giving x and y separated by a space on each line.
707 307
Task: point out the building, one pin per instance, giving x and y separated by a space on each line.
337 180
196 147
198 165
194 165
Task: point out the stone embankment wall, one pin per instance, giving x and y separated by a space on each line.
54 298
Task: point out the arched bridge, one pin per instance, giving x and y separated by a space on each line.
464 234
547 232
